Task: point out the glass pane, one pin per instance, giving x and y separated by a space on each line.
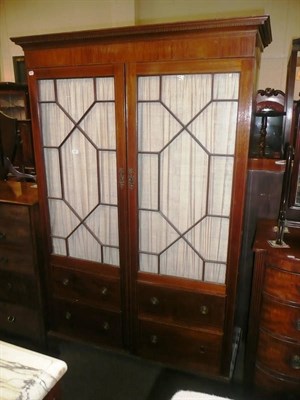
186 143
79 136
79 174
148 181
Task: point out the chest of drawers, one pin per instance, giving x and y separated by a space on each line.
21 305
273 353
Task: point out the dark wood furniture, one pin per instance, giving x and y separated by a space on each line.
14 103
14 100
21 305
14 152
266 139
292 136
273 349
136 169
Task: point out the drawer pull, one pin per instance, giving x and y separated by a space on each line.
68 315
11 318
204 310
104 291
153 339
106 326
9 286
295 362
2 236
154 301
298 324
202 350
66 281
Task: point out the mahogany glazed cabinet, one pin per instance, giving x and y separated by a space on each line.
141 138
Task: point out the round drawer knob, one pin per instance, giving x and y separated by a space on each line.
11 318
295 362
106 326
65 281
204 310
68 315
154 301
2 236
104 291
202 350
153 339
9 286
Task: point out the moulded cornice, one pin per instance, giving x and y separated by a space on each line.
259 23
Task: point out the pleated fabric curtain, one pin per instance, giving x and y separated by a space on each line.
77 118
186 144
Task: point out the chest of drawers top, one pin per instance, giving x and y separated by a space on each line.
23 193
285 257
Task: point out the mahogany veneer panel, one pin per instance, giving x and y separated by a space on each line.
194 349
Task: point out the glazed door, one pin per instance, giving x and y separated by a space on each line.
187 159
184 167
82 146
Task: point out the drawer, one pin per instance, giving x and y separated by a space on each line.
14 225
19 260
191 349
278 355
279 318
88 323
17 289
86 288
181 307
20 321
276 384
281 284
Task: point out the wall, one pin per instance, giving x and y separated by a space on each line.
284 14
29 17
32 17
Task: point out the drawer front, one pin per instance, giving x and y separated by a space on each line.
279 355
281 284
276 384
281 319
14 225
88 323
20 321
182 347
17 289
181 307
86 288
16 259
